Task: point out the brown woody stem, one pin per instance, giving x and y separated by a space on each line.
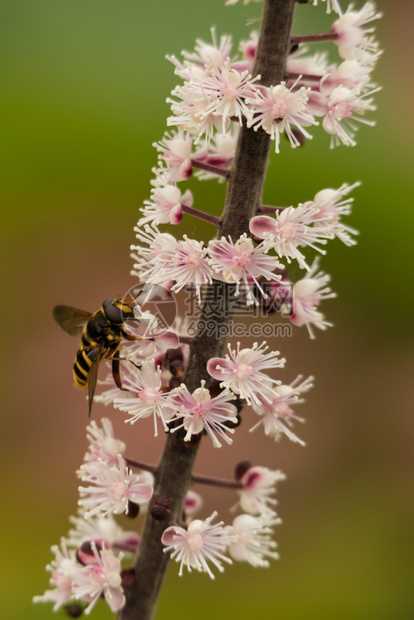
174 472
201 165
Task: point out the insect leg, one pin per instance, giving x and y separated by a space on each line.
116 371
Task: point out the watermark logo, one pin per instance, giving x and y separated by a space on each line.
221 314
156 309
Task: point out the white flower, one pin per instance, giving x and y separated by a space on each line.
258 487
165 206
350 73
113 488
103 531
209 54
190 111
155 240
175 149
352 36
219 153
200 412
253 542
307 295
330 206
292 227
343 108
241 371
102 444
230 88
180 262
278 415
198 545
145 396
277 108
241 262
64 570
101 577
210 98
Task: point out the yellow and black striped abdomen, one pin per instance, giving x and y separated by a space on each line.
81 367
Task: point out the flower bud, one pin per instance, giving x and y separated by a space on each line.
160 507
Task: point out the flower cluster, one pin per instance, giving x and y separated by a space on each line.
237 380
247 539
219 95
87 564
218 88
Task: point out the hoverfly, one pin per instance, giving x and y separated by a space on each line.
102 333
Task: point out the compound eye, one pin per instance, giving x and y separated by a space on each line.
112 312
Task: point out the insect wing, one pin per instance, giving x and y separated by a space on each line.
71 319
95 355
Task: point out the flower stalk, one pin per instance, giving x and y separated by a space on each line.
243 198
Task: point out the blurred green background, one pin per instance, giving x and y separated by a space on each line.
83 98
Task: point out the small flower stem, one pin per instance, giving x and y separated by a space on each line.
140 465
195 478
314 38
206 217
210 168
244 192
267 210
217 482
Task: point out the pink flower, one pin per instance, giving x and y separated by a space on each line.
175 149
199 544
352 36
113 488
102 577
171 263
242 372
64 570
258 487
277 416
342 109
241 262
307 295
200 412
277 108
145 396
190 111
165 206
102 443
219 152
330 206
103 531
230 88
292 227
209 54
